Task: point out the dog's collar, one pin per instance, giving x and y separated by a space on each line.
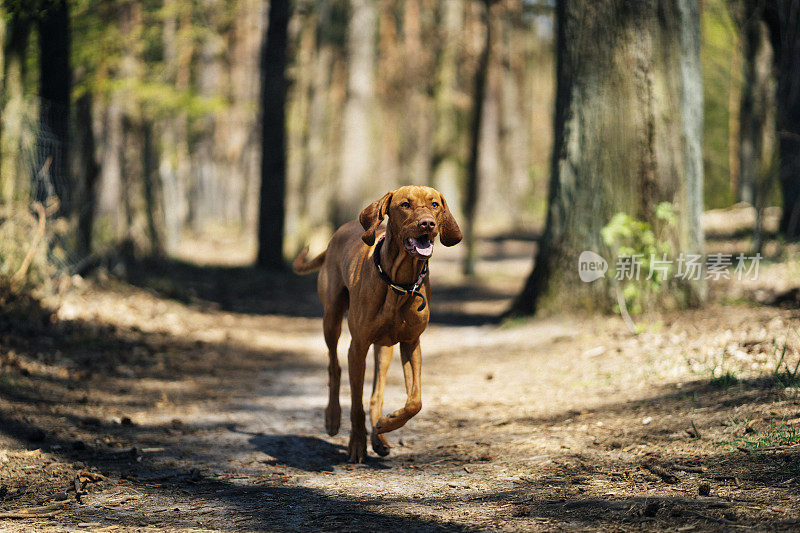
412 289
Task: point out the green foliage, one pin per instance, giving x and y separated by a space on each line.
26 10
780 434
99 50
628 237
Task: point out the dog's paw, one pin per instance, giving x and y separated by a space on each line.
333 419
379 444
357 448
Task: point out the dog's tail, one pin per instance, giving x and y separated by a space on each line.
299 266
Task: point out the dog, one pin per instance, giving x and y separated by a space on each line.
378 275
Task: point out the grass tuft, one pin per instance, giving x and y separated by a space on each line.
724 381
781 434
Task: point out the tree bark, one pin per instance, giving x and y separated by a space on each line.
448 164
175 165
14 181
472 177
55 85
90 170
273 164
628 128
757 108
786 43
355 184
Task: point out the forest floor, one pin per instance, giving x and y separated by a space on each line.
191 398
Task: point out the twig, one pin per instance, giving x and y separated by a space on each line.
623 310
768 448
28 515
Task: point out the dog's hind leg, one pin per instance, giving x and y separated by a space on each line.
356 365
332 328
383 357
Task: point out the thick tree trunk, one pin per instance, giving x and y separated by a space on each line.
628 129
273 163
356 185
757 108
786 42
472 177
55 84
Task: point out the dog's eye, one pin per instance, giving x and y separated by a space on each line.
435 204
405 204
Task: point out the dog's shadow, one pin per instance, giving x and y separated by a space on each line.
311 454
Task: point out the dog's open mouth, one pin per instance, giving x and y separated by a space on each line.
421 245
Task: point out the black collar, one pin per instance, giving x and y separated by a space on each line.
412 289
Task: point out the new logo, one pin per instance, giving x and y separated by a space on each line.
591 266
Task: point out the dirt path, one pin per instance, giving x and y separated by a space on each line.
203 416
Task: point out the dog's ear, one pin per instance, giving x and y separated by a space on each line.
450 233
372 216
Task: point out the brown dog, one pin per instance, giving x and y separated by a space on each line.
386 302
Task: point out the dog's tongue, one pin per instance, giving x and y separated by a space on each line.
422 248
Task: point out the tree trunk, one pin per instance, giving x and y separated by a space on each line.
55 84
515 108
273 163
628 129
757 108
355 184
319 168
388 84
418 127
175 166
14 178
88 171
153 208
448 166
2 82
786 42
471 189
298 225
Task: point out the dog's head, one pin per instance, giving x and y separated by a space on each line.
416 216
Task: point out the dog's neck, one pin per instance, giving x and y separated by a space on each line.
402 267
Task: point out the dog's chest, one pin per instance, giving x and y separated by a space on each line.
400 324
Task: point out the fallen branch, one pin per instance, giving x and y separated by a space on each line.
26 263
663 473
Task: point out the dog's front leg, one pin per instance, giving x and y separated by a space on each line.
411 356
357 363
383 357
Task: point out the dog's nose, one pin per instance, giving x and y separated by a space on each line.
427 223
